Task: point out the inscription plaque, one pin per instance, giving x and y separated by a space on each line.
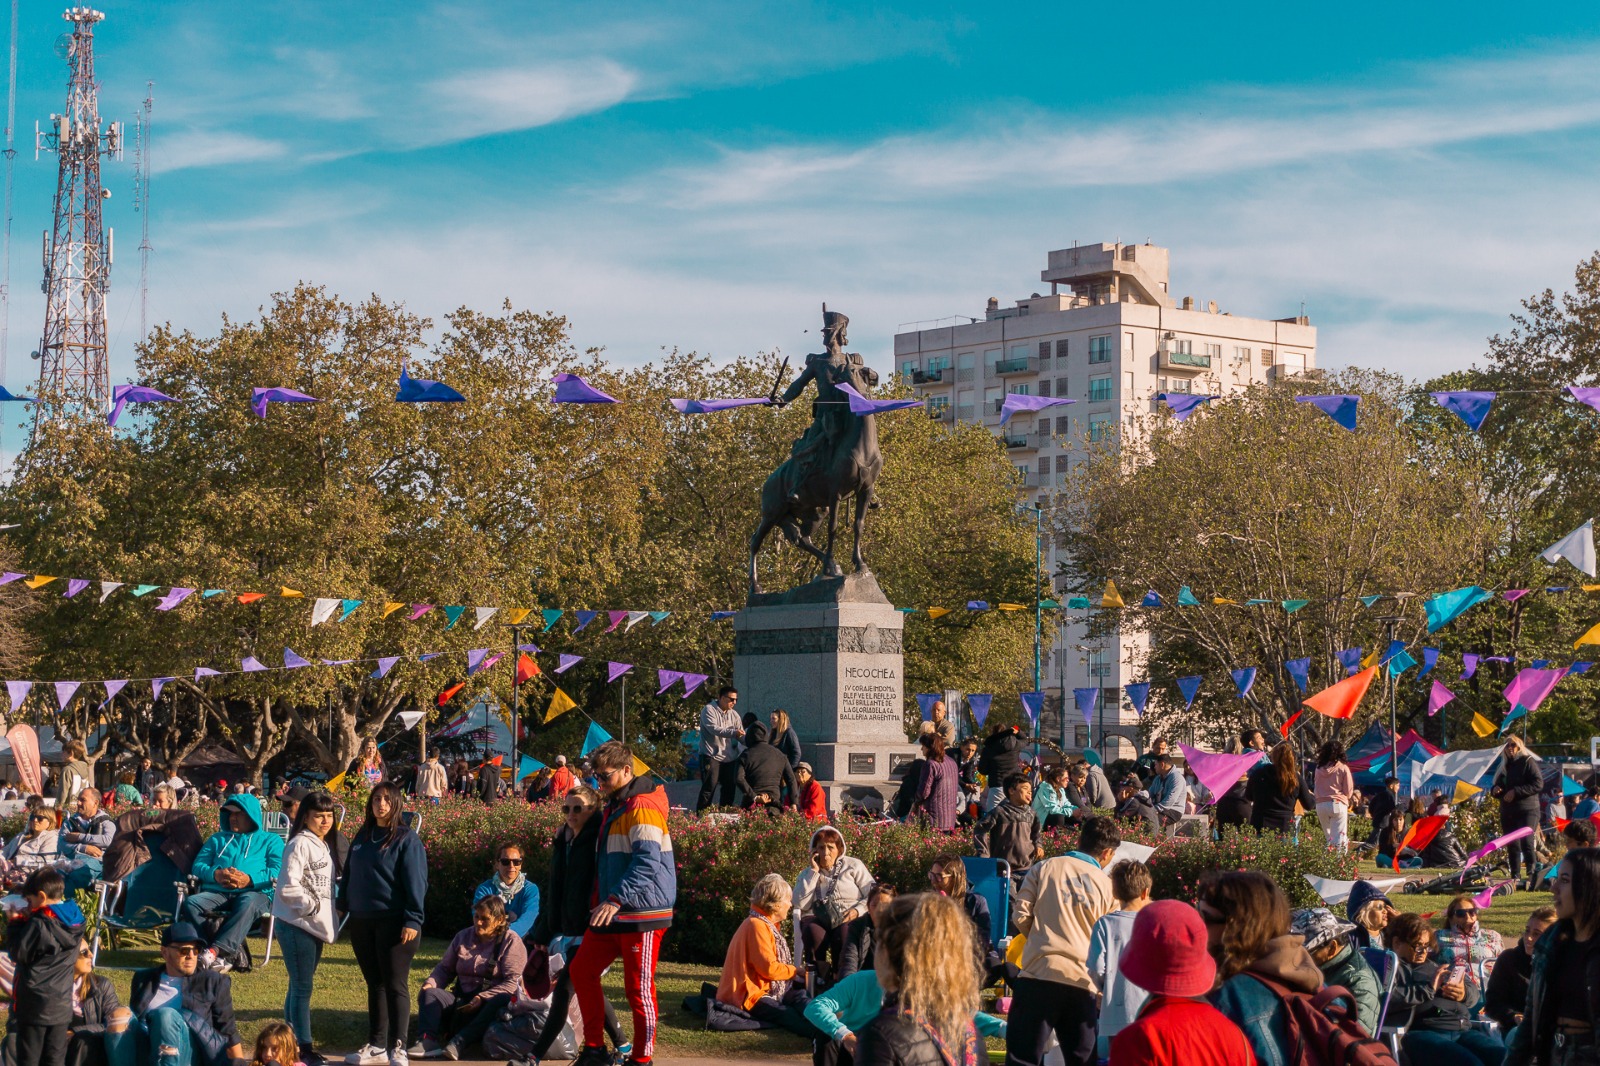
865 763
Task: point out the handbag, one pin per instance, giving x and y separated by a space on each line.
828 913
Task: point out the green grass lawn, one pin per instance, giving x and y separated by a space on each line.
339 1007
1505 914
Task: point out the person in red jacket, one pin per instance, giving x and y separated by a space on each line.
1166 956
561 779
813 801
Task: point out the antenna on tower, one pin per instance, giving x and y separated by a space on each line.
141 203
74 379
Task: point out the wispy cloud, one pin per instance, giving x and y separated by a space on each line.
476 103
192 147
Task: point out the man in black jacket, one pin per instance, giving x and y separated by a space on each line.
764 771
860 936
1133 802
998 761
181 1015
1517 787
44 945
1381 809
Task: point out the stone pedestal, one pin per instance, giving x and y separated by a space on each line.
836 666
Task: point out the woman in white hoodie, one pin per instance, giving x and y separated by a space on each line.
303 905
829 894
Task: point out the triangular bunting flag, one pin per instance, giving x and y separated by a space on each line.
527 670
18 691
584 618
1032 705
1111 597
75 585
1189 686
38 581
616 670
1151 599
65 690
322 610
1471 407
667 678
418 610
475 658
156 685
634 618
107 588
692 682
978 703
568 661
250 597
1243 680
347 607
292 659
1341 700
515 615
1576 548
1342 409
1186 598
1300 670
143 590
938 612
385 664
482 615
112 688
251 665
1438 696
1085 700
1482 726
657 617
1138 695
449 693
452 615
287 593
593 738
550 616
390 607
560 703
616 618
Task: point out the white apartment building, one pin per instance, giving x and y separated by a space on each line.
1110 336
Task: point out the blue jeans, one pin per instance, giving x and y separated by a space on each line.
301 953
1464 1047
83 876
142 1042
240 911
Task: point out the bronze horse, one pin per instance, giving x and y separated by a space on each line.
836 457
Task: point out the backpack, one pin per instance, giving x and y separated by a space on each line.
1321 1029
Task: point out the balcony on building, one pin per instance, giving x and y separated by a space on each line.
941 375
1021 364
1183 360
940 412
1017 439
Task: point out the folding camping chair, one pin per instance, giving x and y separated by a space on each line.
278 822
1386 964
991 879
146 899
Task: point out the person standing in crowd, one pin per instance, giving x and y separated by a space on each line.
1506 999
1589 806
520 895
1439 1023
382 888
564 918
997 762
1050 802
43 943
149 776
476 977
762 773
1169 791
489 781
931 992
1133 804
1247 925
637 886
127 793
238 865
1564 989
1253 740
1056 909
1274 790
829 894
1010 831
369 765
1333 787
75 775
721 733
1384 807
943 724
1119 1000
784 738
813 801
1517 787
759 975
971 787
561 778
1463 939
462 783
1327 939
304 906
179 1013
1167 958
432 780
939 795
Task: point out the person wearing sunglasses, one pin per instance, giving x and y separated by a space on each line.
1464 940
1439 1028
38 845
516 891
179 1013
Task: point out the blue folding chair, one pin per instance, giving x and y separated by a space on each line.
991 879
1386 964
145 900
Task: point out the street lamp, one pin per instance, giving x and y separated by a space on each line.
516 709
1038 611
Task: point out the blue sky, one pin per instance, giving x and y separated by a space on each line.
703 175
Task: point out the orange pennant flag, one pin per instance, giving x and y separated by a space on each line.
444 697
1341 700
1420 835
527 669
251 597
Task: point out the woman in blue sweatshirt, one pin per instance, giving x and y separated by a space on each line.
381 888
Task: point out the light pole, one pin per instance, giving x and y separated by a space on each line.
1038 613
516 707
1389 678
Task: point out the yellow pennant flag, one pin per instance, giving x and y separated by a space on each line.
1482 726
337 782
1222 601
560 704
38 581
1012 606
288 593
515 615
1591 637
1372 657
391 607
1464 792
938 612
1591 588
1111 597
639 768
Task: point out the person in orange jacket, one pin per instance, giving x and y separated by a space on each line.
561 779
759 973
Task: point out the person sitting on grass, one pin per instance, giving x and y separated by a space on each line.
1438 1023
520 895
759 975
478 975
1119 1000
178 1014
860 936
1134 805
829 894
276 1046
813 802
1328 940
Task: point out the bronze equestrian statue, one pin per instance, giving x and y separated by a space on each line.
836 457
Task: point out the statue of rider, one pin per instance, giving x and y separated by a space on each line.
831 419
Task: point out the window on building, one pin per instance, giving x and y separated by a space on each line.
1044 464
1099 664
1061 352
1183 385
939 362
1019 351
1214 351
1102 426
964 401
1111 702
991 356
1127 383
1061 387
992 397
1021 389
965 364
1064 426
1080 736
1183 347
1044 386
1100 388
938 405
1241 357
1266 357
1100 349
1127 345
907 368
1044 355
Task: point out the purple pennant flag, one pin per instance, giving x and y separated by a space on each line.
1032 705
1501 659
9 576
385 664
491 660
1513 595
1530 687
292 659
336 662
65 690
1342 409
156 685
173 598
113 687
616 618
706 407
1016 401
978 704
75 585
259 398
1471 407
1243 680
692 682
1184 404
531 649
1189 686
667 678
1138 695
1469 666
1350 659
1300 670
1086 700
252 665
570 388
425 656
1430 659
1587 396
419 609
474 658
616 670
421 390
1218 772
584 618
1438 696
925 702
860 405
567 662
122 395
205 671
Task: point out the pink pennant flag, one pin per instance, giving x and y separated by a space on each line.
1218 771
568 661
173 598
616 670
1530 687
496 657
1499 842
1437 698
692 682
75 585
1513 595
420 609
65 690
616 618
668 678
1482 899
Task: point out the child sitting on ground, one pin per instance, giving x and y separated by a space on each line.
276 1045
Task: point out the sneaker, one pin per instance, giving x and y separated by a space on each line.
368 1055
208 959
452 1050
397 1056
417 1050
593 1056
624 1049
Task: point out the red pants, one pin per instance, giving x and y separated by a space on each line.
639 953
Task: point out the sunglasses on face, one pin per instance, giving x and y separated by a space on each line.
572 808
183 951
1469 913
510 862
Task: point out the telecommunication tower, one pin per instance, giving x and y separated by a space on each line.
74 380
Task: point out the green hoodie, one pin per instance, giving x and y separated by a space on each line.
258 853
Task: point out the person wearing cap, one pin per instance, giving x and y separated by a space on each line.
289 800
1328 940
1167 957
561 779
238 866
179 1014
813 801
1133 804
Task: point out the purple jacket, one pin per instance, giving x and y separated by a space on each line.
940 795
482 967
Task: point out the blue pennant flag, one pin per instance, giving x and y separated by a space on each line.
978 703
1350 659
1430 659
1395 648
1186 598
1448 606
1342 409
421 390
1471 407
1151 599
1300 670
594 738
1244 679
1032 705
926 700
1086 699
584 618
1189 686
1138 695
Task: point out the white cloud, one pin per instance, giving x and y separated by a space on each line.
210 148
476 103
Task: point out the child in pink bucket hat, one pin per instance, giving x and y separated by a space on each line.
1166 956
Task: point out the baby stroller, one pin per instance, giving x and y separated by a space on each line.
1471 879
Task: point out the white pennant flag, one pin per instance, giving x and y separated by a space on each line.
323 610
634 618
484 614
1576 548
1334 892
107 588
408 719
